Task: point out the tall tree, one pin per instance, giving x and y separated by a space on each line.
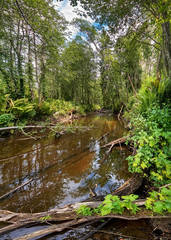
78 78
34 27
120 14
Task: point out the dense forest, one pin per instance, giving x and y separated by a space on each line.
119 61
126 48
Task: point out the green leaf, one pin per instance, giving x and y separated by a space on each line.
158 207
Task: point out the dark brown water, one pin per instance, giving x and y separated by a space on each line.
65 169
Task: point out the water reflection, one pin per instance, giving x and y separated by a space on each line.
65 168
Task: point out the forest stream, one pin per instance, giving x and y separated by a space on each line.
64 170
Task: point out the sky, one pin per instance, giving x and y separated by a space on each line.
68 11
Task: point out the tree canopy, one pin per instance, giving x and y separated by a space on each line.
106 62
144 17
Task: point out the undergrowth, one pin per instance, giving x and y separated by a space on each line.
22 110
158 202
151 134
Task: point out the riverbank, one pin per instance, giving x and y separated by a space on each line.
22 111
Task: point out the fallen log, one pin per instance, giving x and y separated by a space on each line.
130 186
65 226
116 142
66 215
20 127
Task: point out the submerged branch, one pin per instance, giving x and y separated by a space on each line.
115 142
16 189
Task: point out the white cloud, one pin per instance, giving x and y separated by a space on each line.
68 11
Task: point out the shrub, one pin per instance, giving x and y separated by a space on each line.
6 119
44 108
2 98
23 109
151 136
152 91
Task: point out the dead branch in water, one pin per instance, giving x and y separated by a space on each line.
97 229
103 136
112 144
16 189
20 127
130 186
116 142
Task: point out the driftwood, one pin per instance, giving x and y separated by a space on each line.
103 136
116 142
20 127
133 88
112 144
130 186
66 215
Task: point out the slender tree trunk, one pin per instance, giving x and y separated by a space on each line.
11 68
167 44
30 67
103 84
11 64
36 68
19 60
134 91
42 74
158 70
7 80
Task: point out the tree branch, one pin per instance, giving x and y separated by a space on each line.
22 14
149 44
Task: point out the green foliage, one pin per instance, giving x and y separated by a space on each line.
44 109
46 218
23 109
151 136
159 202
6 119
59 107
84 210
89 108
2 98
111 204
127 203
78 81
152 91
164 91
